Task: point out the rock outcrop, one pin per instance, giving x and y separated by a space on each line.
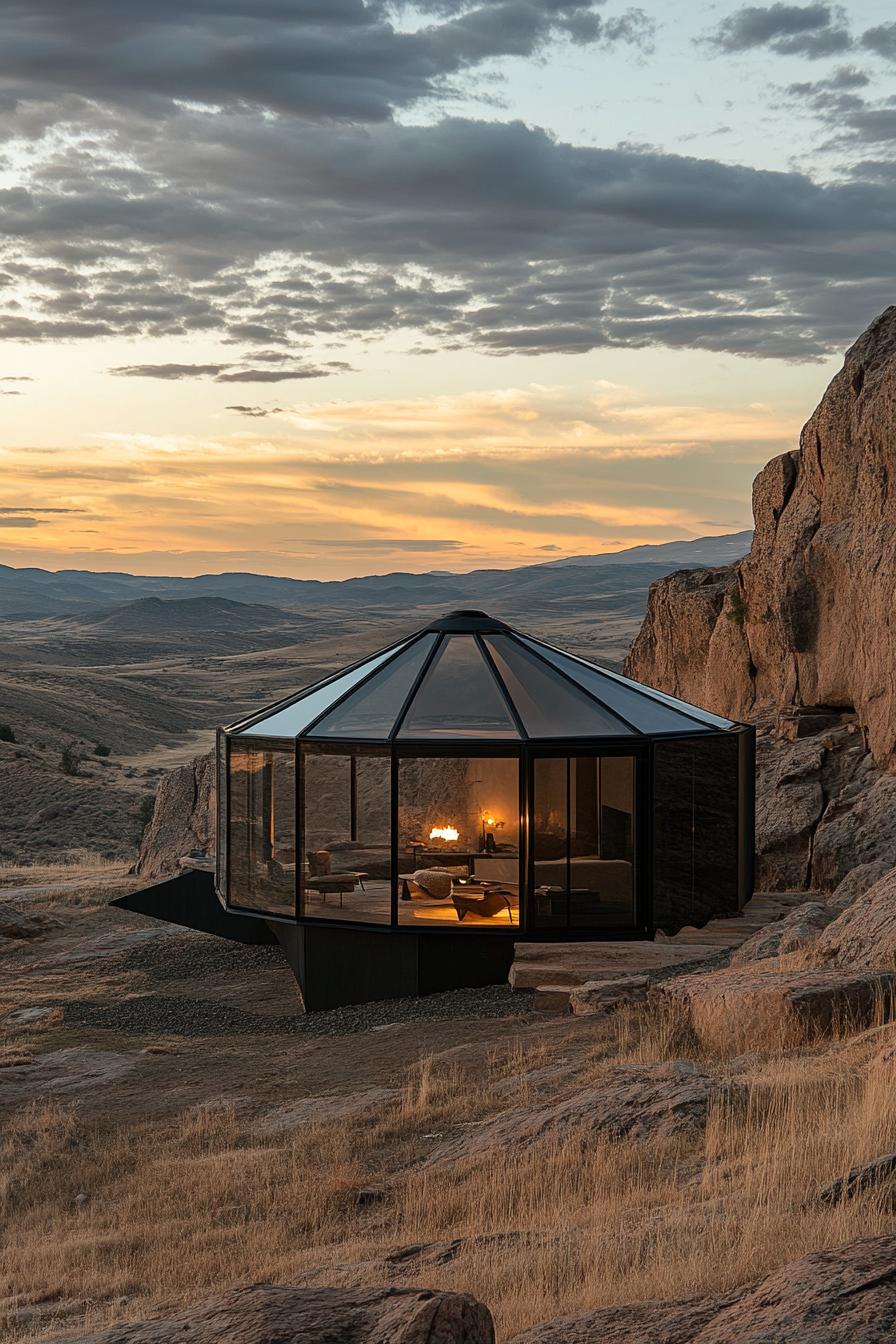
806 618
267 1314
768 1002
183 819
843 1296
802 628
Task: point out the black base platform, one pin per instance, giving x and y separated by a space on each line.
337 966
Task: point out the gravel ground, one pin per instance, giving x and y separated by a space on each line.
158 1015
192 956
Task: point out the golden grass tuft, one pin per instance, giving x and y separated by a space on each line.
103 1223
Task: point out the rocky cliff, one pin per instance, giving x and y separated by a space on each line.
806 620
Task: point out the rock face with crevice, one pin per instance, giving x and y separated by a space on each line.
805 619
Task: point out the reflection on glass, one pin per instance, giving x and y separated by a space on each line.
458 697
458 842
548 704
695 830
549 836
372 710
347 836
601 832
262 829
221 815
294 718
583 841
646 709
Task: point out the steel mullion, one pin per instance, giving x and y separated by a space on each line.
358 684
428 662
485 652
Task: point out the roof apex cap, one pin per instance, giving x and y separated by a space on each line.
467 621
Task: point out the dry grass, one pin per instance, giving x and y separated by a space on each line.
79 863
102 1225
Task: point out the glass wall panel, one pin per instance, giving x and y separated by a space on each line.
601 841
583 842
458 836
459 697
347 836
262 856
221 815
550 818
695 861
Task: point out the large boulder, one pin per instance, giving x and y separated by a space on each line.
805 619
842 1296
183 819
266 1314
768 1002
636 1101
864 934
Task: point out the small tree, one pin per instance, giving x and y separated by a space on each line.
6 733
70 760
102 750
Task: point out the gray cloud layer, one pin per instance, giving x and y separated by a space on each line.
293 210
790 30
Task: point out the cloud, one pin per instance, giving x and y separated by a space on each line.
4 393
881 40
258 412
258 191
271 375
16 378
169 372
222 373
813 31
334 61
19 521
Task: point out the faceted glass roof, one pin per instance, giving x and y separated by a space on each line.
471 678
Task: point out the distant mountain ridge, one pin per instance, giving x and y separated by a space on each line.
31 593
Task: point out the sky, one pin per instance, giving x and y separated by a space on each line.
325 287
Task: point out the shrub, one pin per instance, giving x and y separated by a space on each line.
102 750
144 814
70 760
737 608
6 733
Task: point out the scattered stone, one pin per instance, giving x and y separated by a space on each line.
628 1101
842 1296
552 998
871 1176
733 1008
279 1314
599 997
16 922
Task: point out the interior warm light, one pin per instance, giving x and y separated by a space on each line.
444 833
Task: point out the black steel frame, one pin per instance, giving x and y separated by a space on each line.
631 743
641 749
